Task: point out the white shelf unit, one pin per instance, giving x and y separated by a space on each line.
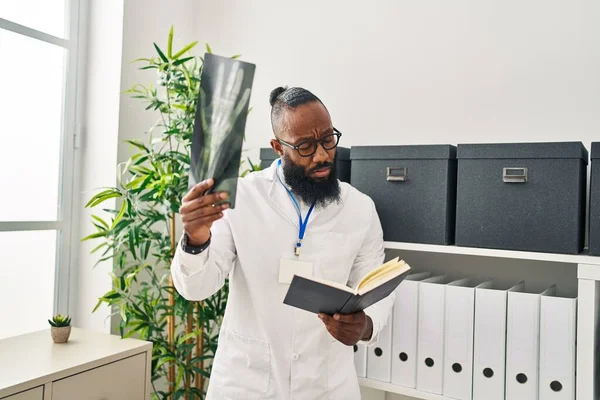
389 388
588 310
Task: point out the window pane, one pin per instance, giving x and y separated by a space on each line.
43 15
26 281
31 107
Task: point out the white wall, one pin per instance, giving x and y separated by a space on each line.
422 71
99 97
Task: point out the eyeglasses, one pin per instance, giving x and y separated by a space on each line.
307 148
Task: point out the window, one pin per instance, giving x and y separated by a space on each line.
38 50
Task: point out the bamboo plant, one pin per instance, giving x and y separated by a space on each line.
140 234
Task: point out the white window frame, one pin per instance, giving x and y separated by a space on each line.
70 136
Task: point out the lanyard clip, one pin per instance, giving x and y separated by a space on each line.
297 249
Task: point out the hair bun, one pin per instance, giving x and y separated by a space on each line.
275 94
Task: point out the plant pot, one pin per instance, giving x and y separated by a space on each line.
60 334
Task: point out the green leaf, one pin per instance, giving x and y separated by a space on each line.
146 250
111 295
184 338
98 305
134 184
132 246
179 377
142 59
236 56
100 199
184 50
119 215
208 49
101 221
201 371
122 312
163 361
170 43
183 60
95 236
122 328
160 53
99 195
138 144
101 245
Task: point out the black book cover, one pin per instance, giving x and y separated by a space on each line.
318 297
220 123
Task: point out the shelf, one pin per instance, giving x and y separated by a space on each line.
473 251
388 387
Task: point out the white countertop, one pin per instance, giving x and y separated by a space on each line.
34 357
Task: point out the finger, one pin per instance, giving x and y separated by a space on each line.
203 201
337 326
198 190
341 335
201 222
355 318
331 321
203 212
325 318
213 198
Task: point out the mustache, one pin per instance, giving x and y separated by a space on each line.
317 167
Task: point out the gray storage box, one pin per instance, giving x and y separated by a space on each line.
594 214
413 187
268 155
522 196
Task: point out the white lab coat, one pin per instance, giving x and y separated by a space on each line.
268 350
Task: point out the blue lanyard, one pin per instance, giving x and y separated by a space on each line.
302 223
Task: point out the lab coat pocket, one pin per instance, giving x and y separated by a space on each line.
332 255
242 367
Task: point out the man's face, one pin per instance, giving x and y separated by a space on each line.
312 177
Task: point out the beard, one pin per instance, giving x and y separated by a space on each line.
321 192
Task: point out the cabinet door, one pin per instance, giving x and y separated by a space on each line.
32 394
121 380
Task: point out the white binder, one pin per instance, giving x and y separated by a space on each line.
379 356
558 333
430 343
489 341
405 332
458 336
360 360
522 343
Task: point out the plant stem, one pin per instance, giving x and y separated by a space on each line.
171 318
201 341
199 348
188 329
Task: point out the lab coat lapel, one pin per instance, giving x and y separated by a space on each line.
280 200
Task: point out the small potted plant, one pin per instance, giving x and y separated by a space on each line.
60 328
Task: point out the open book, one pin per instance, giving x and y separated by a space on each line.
323 296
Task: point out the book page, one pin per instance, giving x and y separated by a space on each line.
387 274
377 271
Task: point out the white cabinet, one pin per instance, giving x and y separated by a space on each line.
31 394
122 380
91 366
571 273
